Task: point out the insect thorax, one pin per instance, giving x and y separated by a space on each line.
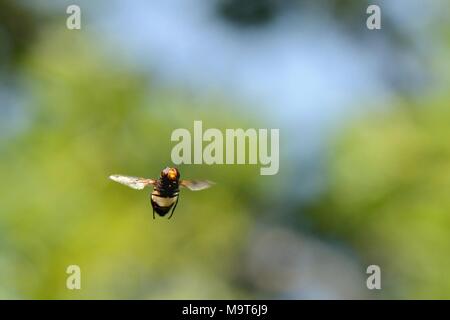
166 188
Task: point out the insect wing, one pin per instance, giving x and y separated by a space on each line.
196 185
132 182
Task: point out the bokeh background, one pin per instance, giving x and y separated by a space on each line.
364 166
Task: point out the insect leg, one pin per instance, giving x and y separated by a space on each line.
153 213
173 208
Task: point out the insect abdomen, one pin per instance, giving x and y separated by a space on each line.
162 205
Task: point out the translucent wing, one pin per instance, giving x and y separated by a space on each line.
132 182
196 185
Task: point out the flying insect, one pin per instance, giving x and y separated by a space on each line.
166 189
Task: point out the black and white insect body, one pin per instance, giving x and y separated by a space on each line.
166 189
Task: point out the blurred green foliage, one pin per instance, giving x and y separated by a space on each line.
89 117
389 196
15 37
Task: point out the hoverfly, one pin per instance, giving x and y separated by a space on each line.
164 196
